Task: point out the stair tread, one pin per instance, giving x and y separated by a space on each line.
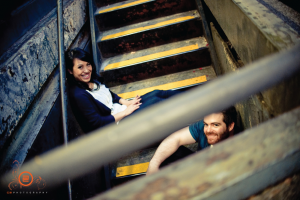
149 25
172 81
137 163
154 53
121 5
134 163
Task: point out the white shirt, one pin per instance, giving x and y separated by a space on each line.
103 95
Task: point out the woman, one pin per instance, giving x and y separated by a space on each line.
93 104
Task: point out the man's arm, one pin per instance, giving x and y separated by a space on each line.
168 147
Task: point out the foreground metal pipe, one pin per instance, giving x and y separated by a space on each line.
62 70
151 125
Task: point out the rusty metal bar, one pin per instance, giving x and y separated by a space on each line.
153 124
233 169
62 69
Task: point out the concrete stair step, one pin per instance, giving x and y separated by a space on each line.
154 53
120 5
156 68
149 25
133 164
174 81
132 12
151 38
102 3
136 163
149 34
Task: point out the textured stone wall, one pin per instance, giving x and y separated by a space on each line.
25 67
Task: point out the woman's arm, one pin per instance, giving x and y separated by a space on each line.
132 105
87 110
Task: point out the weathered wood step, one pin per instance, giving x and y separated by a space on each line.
140 12
169 82
121 5
154 53
149 25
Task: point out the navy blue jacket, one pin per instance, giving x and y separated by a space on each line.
89 112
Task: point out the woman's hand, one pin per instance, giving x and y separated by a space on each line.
134 101
131 108
134 105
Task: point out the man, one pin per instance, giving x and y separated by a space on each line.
207 132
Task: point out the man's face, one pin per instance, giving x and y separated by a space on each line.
215 128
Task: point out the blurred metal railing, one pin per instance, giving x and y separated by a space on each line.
62 69
102 146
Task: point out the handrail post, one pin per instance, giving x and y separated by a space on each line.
93 36
95 56
207 33
62 77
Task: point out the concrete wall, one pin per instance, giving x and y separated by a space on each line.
256 31
25 67
253 110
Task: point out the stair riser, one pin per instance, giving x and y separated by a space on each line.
143 12
157 68
151 38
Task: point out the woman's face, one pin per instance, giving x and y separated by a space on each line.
82 71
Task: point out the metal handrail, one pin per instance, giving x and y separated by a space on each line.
62 70
153 124
208 37
93 36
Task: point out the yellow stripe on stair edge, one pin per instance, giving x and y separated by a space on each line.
151 57
167 86
132 169
123 6
140 29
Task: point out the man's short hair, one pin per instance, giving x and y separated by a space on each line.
229 115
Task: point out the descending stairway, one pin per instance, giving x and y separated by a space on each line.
147 45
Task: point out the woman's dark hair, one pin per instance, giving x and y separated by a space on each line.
85 56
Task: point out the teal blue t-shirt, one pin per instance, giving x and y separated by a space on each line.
197 132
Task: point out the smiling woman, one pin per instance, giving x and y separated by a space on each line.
82 70
93 104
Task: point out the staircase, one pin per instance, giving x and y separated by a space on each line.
143 45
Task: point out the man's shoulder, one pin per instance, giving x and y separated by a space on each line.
196 130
